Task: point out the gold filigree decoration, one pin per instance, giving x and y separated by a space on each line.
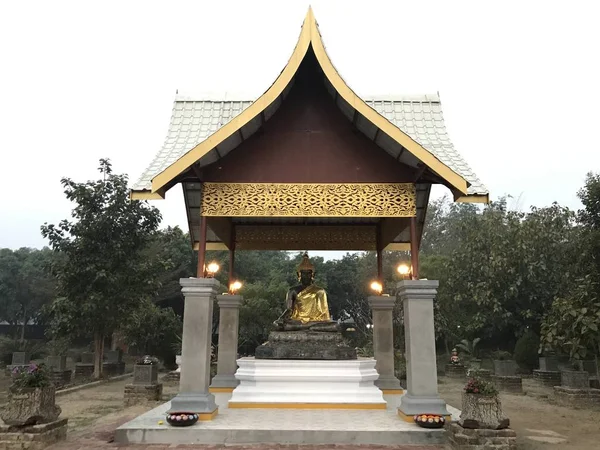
301 237
308 200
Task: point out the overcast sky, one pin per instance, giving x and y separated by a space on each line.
81 81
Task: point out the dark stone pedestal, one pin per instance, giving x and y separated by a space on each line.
84 370
513 385
112 369
61 378
547 378
136 394
582 398
32 437
460 438
305 345
455 371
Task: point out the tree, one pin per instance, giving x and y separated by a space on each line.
573 322
499 270
104 275
153 330
26 285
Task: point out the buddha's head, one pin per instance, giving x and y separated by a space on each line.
305 271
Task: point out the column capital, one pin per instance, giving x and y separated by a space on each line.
229 301
381 302
417 289
199 286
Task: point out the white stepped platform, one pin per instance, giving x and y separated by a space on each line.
268 383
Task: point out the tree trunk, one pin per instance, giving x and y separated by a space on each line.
23 325
98 354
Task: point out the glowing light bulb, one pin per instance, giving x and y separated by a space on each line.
234 287
377 287
212 269
403 269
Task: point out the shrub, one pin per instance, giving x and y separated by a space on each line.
481 387
526 351
34 376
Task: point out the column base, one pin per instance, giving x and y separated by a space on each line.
410 405
201 403
388 384
223 383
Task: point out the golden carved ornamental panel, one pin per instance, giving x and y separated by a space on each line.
308 200
301 237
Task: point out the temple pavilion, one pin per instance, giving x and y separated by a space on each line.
309 164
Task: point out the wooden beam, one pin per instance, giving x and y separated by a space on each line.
197 172
202 247
414 248
420 172
232 256
379 248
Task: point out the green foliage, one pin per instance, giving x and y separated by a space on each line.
104 274
470 347
499 270
32 376
26 285
153 330
526 351
573 321
480 387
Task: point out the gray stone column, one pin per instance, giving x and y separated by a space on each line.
229 320
421 372
193 394
383 341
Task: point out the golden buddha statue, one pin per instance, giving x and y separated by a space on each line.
306 303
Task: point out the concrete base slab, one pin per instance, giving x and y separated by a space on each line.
280 426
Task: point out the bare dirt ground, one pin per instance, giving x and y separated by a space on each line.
94 414
534 417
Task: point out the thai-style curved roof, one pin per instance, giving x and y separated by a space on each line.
409 128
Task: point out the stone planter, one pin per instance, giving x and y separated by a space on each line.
145 374
481 411
57 363
575 379
30 407
548 364
505 368
482 374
